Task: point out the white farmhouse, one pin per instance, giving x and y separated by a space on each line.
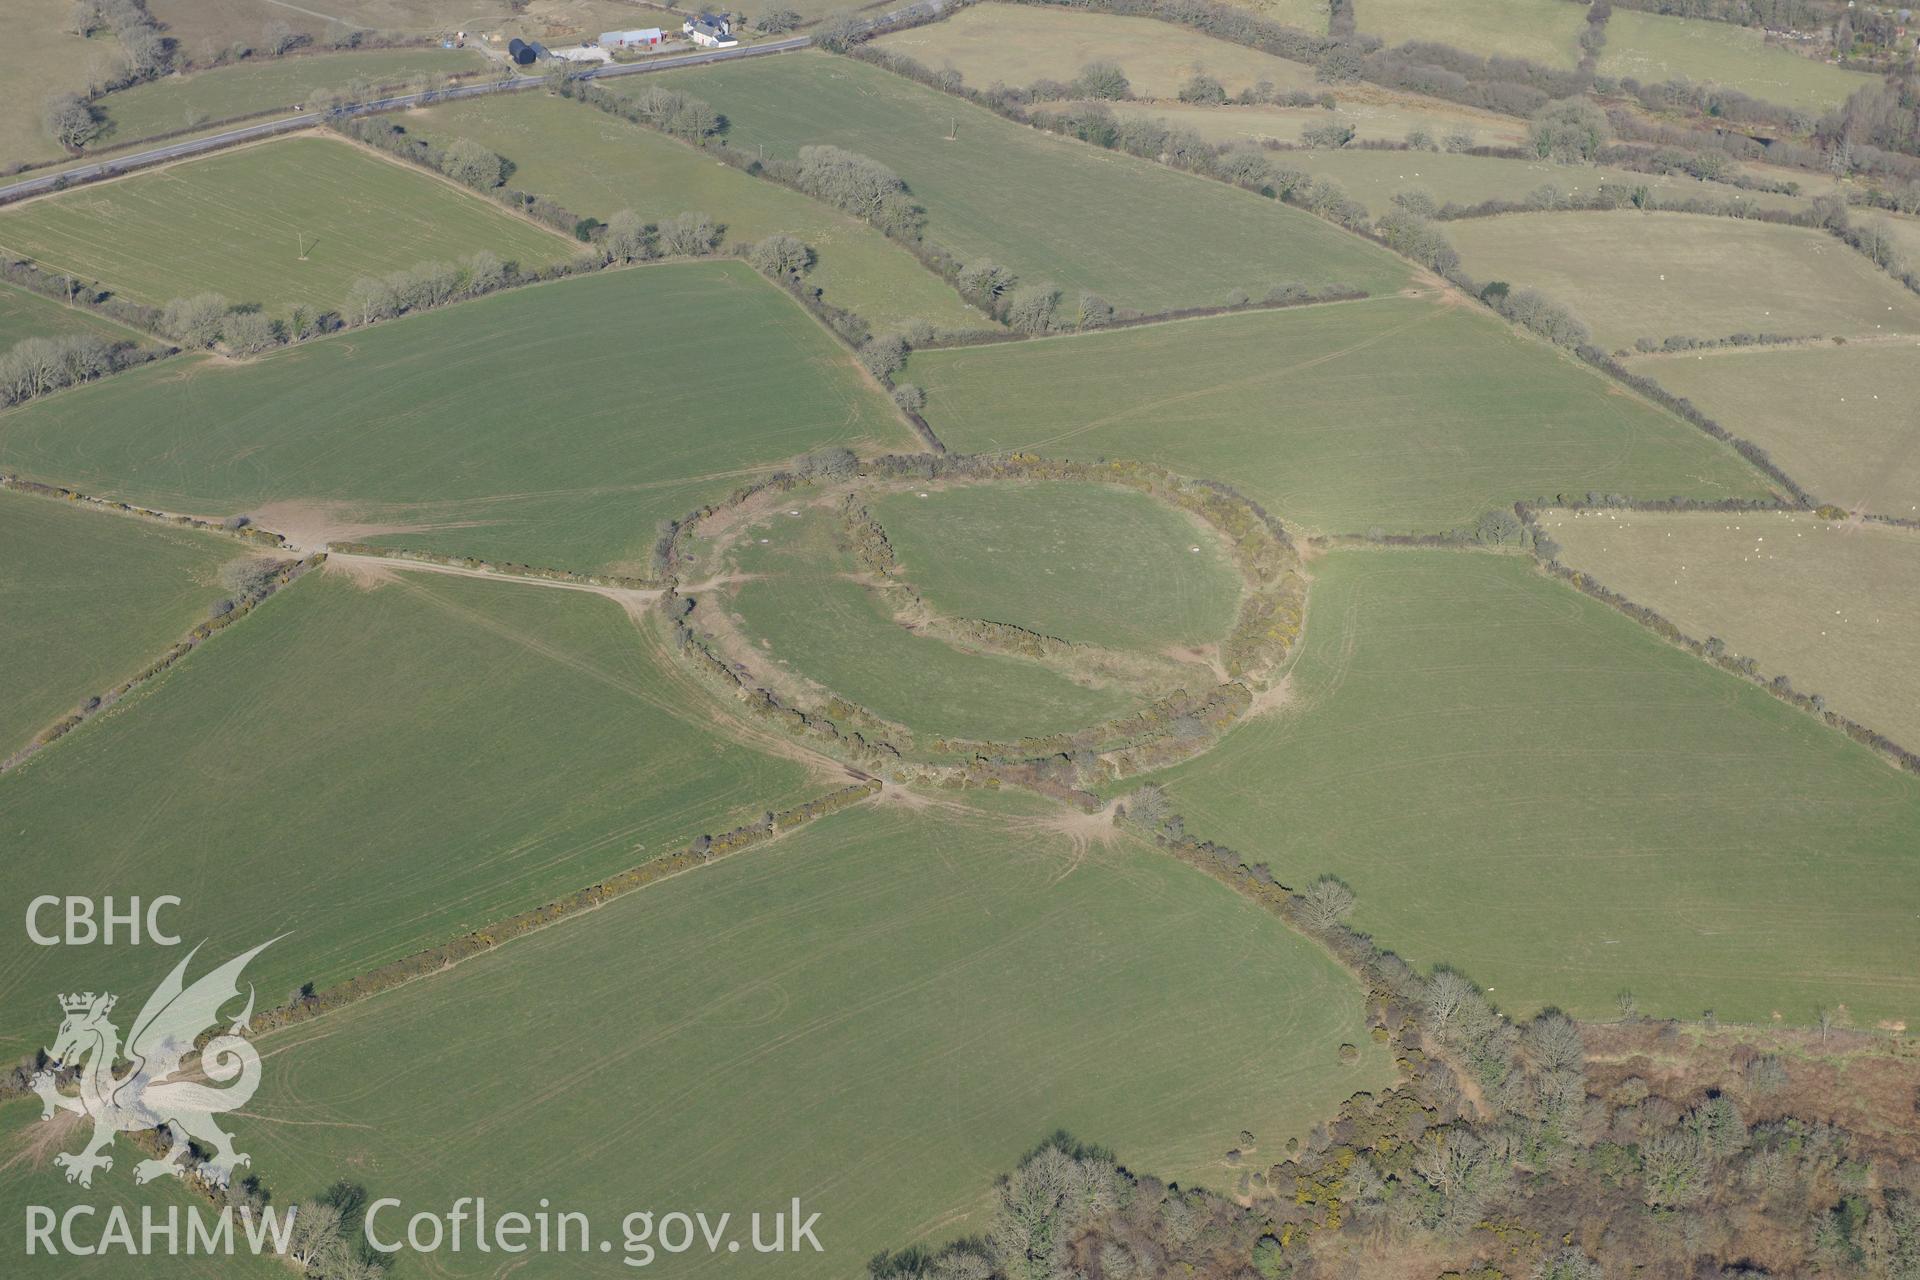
710 31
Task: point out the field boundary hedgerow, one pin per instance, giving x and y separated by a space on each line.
892 210
284 573
851 328
706 140
699 852
703 850
522 209
1498 532
244 530
1545 553
1323 296
1334 213
27 274
464 282
1685 410
275 576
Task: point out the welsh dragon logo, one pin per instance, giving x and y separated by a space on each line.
156 1092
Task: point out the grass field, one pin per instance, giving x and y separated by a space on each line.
207 26
1652 275
24 314
1374 117
1375 177
877 1015
1402 413
237 223
203 28
1906 236
1085 563
1546 33
1652 47
1523 783
803 612
1835 606
596 164
40 53
372 766
1017 44
29 1177
550 425
275 84
1838 419
88 599
1048 207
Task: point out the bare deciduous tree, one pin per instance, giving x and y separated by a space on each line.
690 234
195 321
1326 903
629 238
71 121
783 256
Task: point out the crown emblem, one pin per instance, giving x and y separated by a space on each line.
81 1002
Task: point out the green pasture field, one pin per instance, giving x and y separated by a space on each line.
1017 44
1402 413
960 982
1838 419
1374 116
805 613
552 425
1524 784
88 599
270 85
1050 208
40 52
1652 275
1833 605
596 164
25 314
374 762
236 224
1082 562
28 1177
1538 30
1375 177
1652 48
